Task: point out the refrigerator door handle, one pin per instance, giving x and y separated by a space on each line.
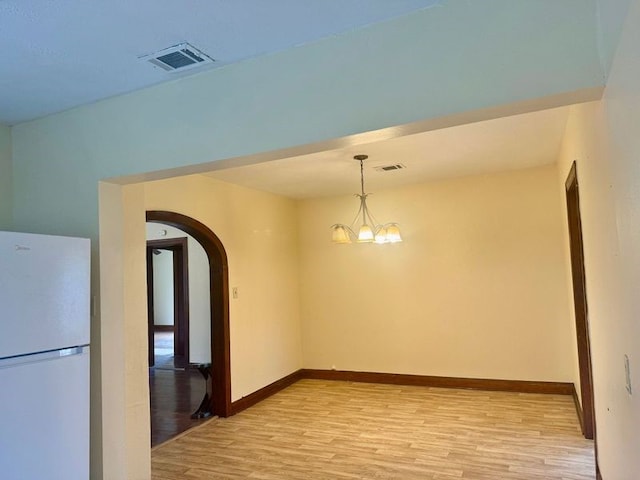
42 356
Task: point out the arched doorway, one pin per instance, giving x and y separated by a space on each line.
219 298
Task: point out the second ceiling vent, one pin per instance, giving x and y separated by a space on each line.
179 57
389 168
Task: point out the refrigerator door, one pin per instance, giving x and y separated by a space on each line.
44 416
44 292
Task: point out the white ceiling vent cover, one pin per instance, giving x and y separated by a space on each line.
179 57
389 168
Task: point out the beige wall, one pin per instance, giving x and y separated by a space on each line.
6 190
163 313
259 234
477 289
603 140
582 143
258 231
125 386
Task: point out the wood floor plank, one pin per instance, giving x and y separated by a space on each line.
319 429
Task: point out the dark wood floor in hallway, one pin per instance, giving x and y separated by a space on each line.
325 430
175 393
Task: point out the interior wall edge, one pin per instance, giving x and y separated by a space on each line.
6 179
563 99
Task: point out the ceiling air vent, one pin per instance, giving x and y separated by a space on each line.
388 168
179 57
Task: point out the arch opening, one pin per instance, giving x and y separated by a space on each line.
219 300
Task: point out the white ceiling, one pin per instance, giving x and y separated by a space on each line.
58 54
508 143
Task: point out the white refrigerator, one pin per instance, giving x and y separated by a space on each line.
44 357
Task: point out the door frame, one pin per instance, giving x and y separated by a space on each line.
586 410
179 247
219 298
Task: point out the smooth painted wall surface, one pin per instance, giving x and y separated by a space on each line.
199 301
258 231
603 139
6 173
163 288
476 289
124 440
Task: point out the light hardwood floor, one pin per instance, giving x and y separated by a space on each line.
341 430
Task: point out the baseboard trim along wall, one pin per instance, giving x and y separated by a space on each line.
265 392
520 386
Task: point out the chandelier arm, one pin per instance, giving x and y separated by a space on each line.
350 230
364 209
357 217
375 226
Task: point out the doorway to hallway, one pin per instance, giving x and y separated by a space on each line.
587 419
181 389
168 300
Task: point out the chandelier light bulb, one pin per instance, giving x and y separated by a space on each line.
393 234
381 236
365 234
340 235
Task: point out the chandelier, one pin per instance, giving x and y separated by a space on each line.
370 231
